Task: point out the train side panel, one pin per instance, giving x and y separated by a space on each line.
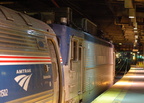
98 69
29 61
88 64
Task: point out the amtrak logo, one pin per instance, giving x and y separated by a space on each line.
23 81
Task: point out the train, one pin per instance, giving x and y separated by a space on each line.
29 60
41 63
88 64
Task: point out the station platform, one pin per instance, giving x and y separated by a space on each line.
129 89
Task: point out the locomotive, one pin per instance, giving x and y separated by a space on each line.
30 66
42 63
88 64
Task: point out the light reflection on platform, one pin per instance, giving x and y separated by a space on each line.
129 89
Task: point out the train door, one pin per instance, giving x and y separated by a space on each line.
54 61
77 59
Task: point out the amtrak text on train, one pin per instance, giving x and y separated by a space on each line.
23 71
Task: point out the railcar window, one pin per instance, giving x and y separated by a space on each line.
75 50
51 46
53 58
80 53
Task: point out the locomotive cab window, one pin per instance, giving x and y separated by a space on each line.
75 49
80 52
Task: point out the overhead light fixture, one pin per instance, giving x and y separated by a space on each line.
128 4
120 43
136 41
135 50
134 45
136 36
135 28
138 53
135 25
131 13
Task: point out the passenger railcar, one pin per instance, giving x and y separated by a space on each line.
30 69
88 64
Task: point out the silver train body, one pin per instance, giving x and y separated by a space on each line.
35 68
88 64
30 65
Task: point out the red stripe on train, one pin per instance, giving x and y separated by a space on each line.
7 61
25 57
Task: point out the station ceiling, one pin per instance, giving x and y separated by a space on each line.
121 21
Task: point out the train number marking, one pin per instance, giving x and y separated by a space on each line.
3 92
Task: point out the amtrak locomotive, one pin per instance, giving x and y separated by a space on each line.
30 69
35 68
88 64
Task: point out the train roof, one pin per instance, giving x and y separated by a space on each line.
63 30
12 17
95 39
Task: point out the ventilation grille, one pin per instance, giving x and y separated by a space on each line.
22 42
